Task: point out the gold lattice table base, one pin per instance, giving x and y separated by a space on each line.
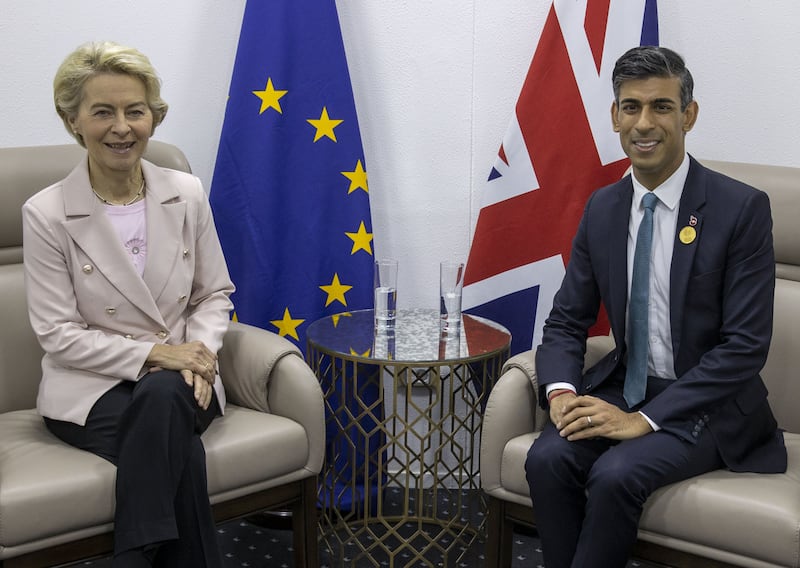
400 483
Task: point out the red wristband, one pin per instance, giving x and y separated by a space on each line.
556 393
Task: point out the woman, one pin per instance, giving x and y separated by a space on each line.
128 294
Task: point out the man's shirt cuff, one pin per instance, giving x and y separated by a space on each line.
558 386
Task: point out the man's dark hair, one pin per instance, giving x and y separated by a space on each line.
653 61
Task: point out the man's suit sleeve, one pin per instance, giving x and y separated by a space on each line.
560 356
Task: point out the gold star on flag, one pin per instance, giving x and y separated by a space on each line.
336 291
358 178
324 125
361 239
270 97
287 325
357 354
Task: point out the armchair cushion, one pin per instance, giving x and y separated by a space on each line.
267 451
48 488
721 513
512 472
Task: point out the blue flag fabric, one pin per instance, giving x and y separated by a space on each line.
289 192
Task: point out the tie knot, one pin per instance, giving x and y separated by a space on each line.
649 200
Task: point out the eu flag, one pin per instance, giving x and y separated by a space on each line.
289 192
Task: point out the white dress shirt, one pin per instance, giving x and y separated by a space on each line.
665 220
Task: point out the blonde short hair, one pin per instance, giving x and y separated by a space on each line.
93 58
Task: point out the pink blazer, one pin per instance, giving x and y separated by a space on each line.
95 317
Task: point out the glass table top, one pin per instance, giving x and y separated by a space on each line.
417 337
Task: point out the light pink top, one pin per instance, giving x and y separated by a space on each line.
130 224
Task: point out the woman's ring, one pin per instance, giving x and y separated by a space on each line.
589 420
206 367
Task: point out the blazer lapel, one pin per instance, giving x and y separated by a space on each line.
687 233
92 231
166 215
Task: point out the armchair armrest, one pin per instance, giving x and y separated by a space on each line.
295 393
246 360
525 363
512 410
262 371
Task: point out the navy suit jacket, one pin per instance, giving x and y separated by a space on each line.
721 304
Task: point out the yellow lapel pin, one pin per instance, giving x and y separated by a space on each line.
687 235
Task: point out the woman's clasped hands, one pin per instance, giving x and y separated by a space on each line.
196 363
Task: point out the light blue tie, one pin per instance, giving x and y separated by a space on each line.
636 375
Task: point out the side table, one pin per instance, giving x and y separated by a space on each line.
400 483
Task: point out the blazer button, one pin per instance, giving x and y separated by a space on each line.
182 298
111 310
128 336
185 253
87 268
162 334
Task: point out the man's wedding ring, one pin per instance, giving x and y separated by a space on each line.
589 420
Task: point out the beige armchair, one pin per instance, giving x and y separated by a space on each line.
714 520
57 502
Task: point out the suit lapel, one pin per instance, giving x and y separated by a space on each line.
93 233
166 215
690 216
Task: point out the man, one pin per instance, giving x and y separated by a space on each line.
694 402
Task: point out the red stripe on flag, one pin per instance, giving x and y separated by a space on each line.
595 24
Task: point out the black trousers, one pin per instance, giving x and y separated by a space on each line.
150 429
588 495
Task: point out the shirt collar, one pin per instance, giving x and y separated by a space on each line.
669 192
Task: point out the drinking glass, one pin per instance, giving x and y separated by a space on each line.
385 294
451 281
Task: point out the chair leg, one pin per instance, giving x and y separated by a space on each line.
304 526
499 540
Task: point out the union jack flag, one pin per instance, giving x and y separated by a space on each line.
559 147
